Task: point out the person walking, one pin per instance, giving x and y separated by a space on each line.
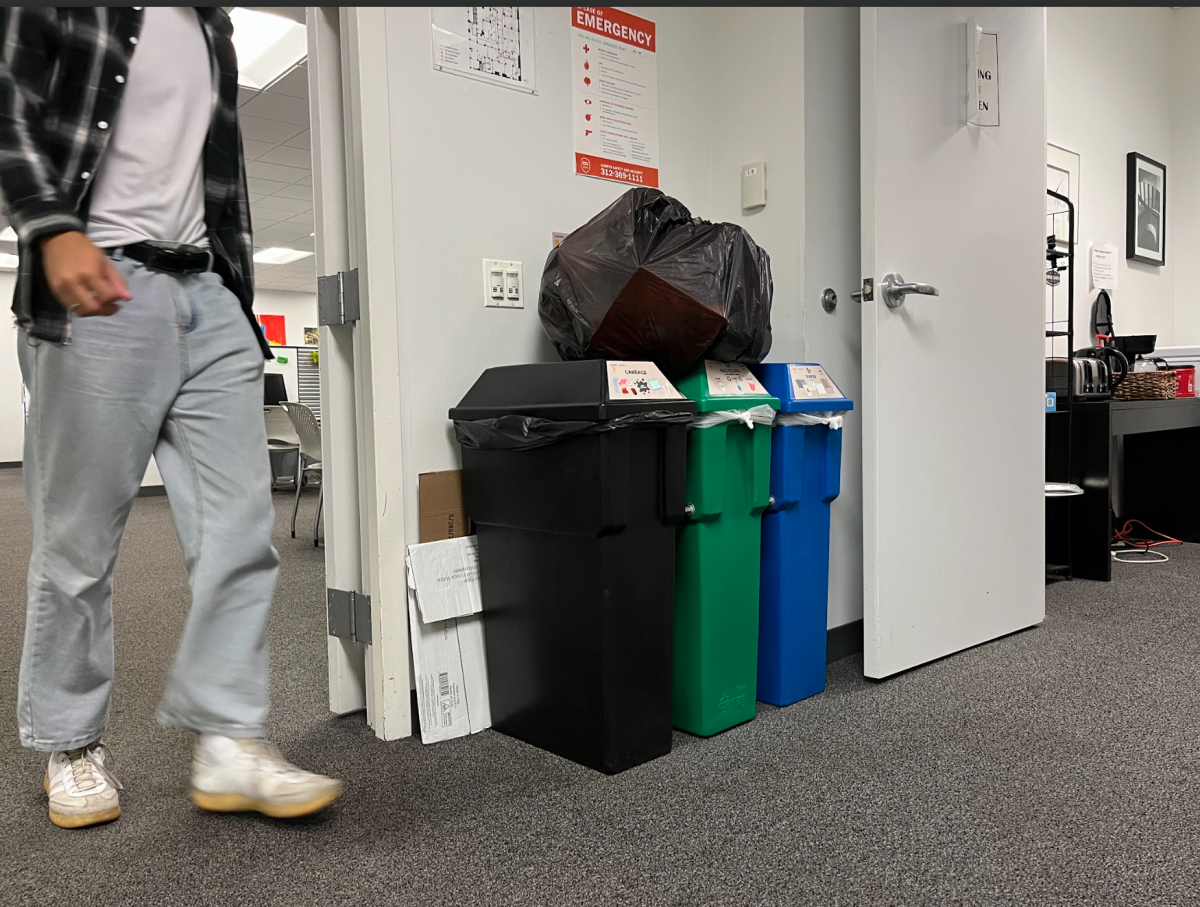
122 171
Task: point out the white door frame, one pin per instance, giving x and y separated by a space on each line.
360 363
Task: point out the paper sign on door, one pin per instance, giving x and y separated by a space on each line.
639 380
732 379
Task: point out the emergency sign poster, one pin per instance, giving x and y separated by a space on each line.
614 76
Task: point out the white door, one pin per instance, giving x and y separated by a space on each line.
953 461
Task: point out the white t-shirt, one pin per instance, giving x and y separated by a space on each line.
150 183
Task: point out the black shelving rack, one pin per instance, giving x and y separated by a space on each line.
1060 255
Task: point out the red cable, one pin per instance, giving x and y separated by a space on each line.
1122 535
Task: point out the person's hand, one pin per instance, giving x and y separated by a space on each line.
82 277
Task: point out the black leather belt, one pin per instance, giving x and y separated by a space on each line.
173 258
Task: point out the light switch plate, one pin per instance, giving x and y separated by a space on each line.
503 298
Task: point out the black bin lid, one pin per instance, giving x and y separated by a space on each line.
561 391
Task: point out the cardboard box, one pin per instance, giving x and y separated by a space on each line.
449 661
440 506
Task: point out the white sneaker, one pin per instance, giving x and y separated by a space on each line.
81 787
248 774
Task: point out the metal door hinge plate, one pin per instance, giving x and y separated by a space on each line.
337 298
349 615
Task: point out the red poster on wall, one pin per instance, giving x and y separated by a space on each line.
274 328
614 82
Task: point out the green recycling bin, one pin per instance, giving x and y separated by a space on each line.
718 548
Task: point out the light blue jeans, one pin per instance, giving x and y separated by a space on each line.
177 373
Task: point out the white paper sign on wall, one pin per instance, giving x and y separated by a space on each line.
1104 267
983 76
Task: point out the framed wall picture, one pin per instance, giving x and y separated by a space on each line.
1062 176
1145 210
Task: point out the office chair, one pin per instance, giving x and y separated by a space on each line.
308 429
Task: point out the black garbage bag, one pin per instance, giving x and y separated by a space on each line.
645 280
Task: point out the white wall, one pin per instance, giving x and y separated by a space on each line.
481 171
1109 78
299 310
12 413
757 115
785 91
831 245
1183 180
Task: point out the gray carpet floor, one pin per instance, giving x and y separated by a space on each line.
1056 766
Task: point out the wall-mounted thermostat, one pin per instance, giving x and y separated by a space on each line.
754 185
502 284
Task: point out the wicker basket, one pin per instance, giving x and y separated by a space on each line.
1148 386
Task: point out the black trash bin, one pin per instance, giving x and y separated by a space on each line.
573 473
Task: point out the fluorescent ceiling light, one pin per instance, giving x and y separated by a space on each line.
8 262
267 46
8 234
279 256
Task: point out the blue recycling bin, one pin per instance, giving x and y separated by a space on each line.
806 469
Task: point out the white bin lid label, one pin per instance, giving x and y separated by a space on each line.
639 380
732 379
809 381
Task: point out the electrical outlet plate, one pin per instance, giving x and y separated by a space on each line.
503 284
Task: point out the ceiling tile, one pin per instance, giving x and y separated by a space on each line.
290 234
261 130
261 220
269 187
297 191
253 149
293 85
307 181
289 157
305 219
246 94
271 106
305 243
278 235
299 141
286 175
279 203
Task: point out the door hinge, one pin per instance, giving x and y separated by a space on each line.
337 298
349 615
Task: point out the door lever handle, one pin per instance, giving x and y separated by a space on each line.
895 289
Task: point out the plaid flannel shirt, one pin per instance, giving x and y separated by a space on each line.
62 73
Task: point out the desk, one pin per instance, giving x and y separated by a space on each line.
1137 459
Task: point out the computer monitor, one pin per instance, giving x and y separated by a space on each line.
274 390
